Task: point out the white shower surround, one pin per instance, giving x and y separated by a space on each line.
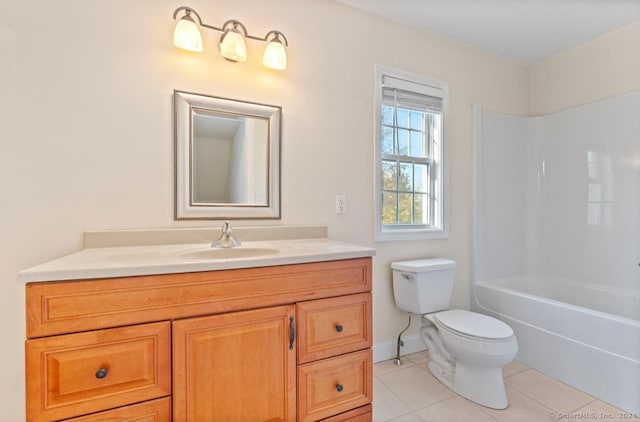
557 200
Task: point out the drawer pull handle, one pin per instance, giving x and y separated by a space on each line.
339 328
292 332
339 387
101 373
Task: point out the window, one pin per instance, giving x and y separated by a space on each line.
410 141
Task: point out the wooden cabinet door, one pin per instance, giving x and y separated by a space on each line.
235 367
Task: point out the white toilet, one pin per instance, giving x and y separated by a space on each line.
467 349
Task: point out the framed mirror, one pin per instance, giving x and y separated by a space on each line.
227 158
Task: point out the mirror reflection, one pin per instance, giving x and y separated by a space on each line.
227 158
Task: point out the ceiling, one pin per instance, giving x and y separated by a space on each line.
526 31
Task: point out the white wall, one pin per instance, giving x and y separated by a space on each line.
607 66
87 128
211 161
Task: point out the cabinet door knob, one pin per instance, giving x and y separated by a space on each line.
101 373
339 387
339 328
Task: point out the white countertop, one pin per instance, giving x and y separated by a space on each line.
125 261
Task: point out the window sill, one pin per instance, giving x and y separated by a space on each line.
390 235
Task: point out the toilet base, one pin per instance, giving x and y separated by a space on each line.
479 384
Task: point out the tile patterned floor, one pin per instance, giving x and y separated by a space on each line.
409 393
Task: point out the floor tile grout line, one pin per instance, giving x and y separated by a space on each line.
399 399
482 409
415 411
412 410
402 416
515 373
421 363
395 369
439 401
546 406
532 398
579 407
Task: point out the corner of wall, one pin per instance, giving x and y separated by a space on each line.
604 67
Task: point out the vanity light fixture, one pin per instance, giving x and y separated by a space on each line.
275 57
232 42
232 45
187 35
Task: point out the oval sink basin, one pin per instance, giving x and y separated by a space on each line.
228 253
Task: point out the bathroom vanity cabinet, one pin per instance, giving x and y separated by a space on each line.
278 343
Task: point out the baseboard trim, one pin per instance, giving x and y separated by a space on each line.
387 350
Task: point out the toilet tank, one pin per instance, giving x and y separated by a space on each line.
424 285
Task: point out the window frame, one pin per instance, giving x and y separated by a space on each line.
392 232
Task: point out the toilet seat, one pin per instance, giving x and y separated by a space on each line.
472 325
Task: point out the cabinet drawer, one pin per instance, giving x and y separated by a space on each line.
361 414
335 326
82 373
72 306
334 385
150 411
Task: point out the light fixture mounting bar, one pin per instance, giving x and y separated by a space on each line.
234 23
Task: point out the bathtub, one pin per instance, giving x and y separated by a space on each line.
583 335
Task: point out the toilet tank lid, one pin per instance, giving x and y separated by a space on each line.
423 265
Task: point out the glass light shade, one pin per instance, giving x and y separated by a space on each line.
186 35
275 56
233 47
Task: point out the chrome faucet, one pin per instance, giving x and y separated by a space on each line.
226 240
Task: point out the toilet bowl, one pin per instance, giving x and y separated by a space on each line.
468 357
467 350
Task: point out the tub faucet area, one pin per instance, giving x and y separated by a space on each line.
226 240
